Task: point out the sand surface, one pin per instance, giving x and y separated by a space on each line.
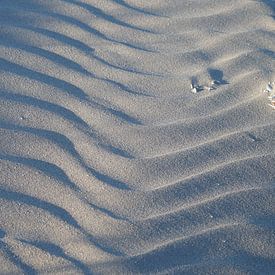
135 137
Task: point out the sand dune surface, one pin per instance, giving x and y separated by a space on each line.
137 137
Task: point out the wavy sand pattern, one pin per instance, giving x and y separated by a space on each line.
110 164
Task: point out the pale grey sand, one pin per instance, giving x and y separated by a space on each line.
136 137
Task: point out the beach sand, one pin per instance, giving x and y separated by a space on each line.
135 137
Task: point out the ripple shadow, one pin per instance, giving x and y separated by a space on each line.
15 259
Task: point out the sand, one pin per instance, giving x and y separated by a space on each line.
137 137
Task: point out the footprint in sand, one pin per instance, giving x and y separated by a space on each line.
216 77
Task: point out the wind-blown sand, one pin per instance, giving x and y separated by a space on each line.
110 164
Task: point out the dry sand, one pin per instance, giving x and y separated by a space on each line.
135 137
